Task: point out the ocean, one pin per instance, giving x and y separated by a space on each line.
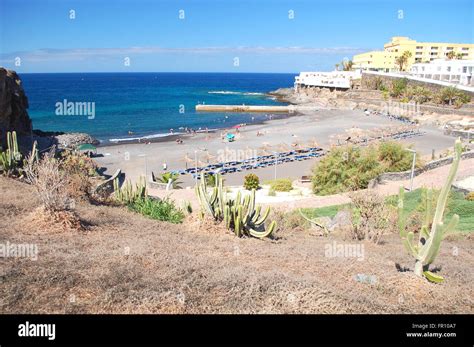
131 105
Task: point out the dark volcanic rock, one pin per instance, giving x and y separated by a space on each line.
13 105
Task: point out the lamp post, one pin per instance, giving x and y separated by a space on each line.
412 175
146 164
196 165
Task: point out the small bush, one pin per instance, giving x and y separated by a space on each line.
251 181
78 170
289 221
371 216
398 87
418 94
351 168
210 179
452 95
271 192
49 181
345 168
166 177
470 196
163 210
281 185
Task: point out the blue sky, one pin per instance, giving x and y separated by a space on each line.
215 32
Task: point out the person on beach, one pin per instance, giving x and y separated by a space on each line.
165 167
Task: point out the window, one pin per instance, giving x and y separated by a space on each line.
448 69
419 47
464 69
465 48
439 68
434 48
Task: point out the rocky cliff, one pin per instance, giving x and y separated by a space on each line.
13 105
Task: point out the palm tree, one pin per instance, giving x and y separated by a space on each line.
337 67
459 56
402 60
450 55
347 65
448 95
167 177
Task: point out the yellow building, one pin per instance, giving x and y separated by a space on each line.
420 52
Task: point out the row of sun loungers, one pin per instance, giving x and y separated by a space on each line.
255 162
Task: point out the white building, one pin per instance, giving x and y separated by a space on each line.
453 71
333 79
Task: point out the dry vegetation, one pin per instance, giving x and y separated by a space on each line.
121 262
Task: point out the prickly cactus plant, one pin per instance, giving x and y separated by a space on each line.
10 159
128 194
241 215
434 228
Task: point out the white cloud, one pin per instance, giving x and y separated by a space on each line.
78 54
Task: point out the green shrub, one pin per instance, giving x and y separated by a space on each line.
395 157
281 185
163 210
418 94
398 87
351 168
452 95
251 181
470 196
271 192
345 168
210 179
166 177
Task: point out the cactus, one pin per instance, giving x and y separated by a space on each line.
241 215
314 221
11 157
128 194
433 228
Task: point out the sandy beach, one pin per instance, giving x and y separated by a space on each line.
138 159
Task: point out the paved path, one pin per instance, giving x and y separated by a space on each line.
432 179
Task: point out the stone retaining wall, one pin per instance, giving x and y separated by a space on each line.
404 175
368 81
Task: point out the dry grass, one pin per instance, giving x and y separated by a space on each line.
49 181
124 263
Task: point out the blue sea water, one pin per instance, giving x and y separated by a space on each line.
146 104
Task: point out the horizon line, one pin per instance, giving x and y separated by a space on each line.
184 72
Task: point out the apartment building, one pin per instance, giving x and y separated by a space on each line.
453 71
421 52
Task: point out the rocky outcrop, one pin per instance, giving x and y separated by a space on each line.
72 140
13 105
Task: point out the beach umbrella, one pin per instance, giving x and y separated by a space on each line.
264 151
187 159
283 147
230 137
300 147
208 157
313 143
86 147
